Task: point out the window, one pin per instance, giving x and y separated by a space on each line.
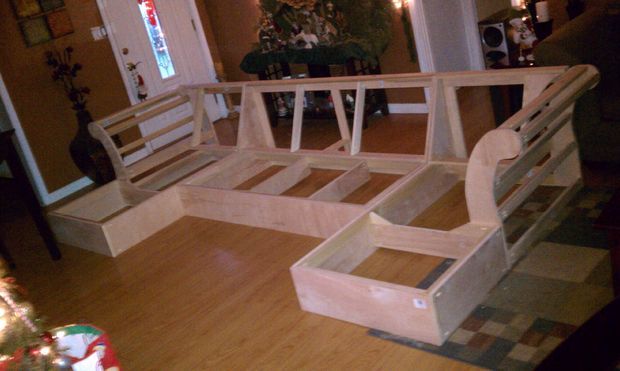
157 38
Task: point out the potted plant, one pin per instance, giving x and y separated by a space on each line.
87 152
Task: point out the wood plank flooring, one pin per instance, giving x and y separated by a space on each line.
206 295
399 267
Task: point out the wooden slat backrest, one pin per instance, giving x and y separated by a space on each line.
540 132
444 132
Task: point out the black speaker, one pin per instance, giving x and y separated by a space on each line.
498 48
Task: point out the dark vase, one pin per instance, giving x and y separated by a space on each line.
88 154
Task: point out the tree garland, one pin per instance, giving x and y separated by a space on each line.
367 23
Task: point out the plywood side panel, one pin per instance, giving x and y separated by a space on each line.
467 283
419 193
287 214
343 251
366 302
422 241
80 233
144 220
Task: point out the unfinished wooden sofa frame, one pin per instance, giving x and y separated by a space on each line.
246 184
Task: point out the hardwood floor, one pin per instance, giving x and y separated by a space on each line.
203 295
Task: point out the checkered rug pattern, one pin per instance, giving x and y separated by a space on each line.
562 281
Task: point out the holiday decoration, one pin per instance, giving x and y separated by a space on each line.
141 90
524 37
308 24
24 346
86 347
150 11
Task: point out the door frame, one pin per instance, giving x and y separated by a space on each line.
205 51
424 45
29 161
128 83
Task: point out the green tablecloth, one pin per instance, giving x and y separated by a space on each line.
257 61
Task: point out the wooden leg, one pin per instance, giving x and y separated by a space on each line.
32 203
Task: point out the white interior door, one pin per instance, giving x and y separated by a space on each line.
164 38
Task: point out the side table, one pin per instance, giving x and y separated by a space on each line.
609 221
8 153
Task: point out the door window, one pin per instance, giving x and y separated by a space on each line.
157 38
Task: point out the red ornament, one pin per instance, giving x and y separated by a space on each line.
150 11
47 337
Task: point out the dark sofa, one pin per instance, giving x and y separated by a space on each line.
592 38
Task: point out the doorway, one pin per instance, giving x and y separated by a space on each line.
159 45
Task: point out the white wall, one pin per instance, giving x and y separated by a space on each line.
446 35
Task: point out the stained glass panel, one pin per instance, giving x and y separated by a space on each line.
159 45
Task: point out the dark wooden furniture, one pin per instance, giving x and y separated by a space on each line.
376 100
609 221
8 153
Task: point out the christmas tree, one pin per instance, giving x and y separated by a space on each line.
23 345
306 24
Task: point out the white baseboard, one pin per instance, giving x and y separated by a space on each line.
65 191
408 108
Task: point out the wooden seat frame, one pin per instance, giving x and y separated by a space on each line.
196 176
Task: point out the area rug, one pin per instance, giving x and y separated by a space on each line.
555 288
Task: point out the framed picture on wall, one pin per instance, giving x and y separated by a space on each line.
47 5
26 8
35 31
59 23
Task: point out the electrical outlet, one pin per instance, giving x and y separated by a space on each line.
99 33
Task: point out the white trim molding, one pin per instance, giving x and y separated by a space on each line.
25 153
420 34
65 191
476 59
28 160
